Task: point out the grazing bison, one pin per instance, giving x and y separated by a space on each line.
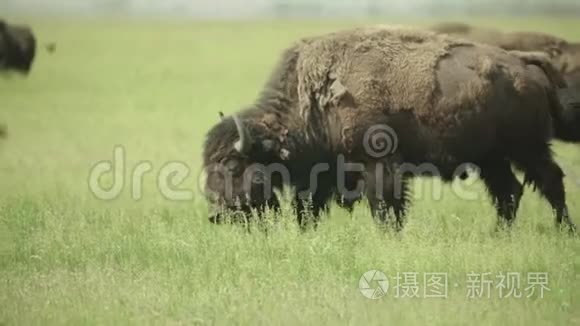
17 47
436 99
565 55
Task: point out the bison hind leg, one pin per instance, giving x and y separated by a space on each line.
545 175
350 191
504 189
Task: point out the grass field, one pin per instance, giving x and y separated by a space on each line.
155 88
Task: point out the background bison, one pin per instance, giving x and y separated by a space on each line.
448 101
17 47
565 55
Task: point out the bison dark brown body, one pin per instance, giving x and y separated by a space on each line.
447 102
17 47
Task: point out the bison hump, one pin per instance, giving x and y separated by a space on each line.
374 68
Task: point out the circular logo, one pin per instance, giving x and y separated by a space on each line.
373 284
380 141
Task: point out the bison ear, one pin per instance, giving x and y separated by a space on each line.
2 26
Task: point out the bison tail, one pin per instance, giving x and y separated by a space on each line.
566 115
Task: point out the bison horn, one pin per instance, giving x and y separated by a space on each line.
244 143
221 115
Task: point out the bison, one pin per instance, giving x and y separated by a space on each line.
17 47
565 55
436 100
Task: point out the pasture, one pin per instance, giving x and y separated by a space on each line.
154 88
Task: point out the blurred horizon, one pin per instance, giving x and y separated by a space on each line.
252 9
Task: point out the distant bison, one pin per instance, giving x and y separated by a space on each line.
565 55
50 47
431 98
17 47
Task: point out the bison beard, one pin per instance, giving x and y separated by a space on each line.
448 101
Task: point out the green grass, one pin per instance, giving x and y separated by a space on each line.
156 87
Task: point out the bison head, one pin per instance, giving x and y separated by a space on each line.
242 163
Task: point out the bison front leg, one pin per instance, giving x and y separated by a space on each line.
504 189
387 193
350 191
309 206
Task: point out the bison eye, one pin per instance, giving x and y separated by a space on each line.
232 165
